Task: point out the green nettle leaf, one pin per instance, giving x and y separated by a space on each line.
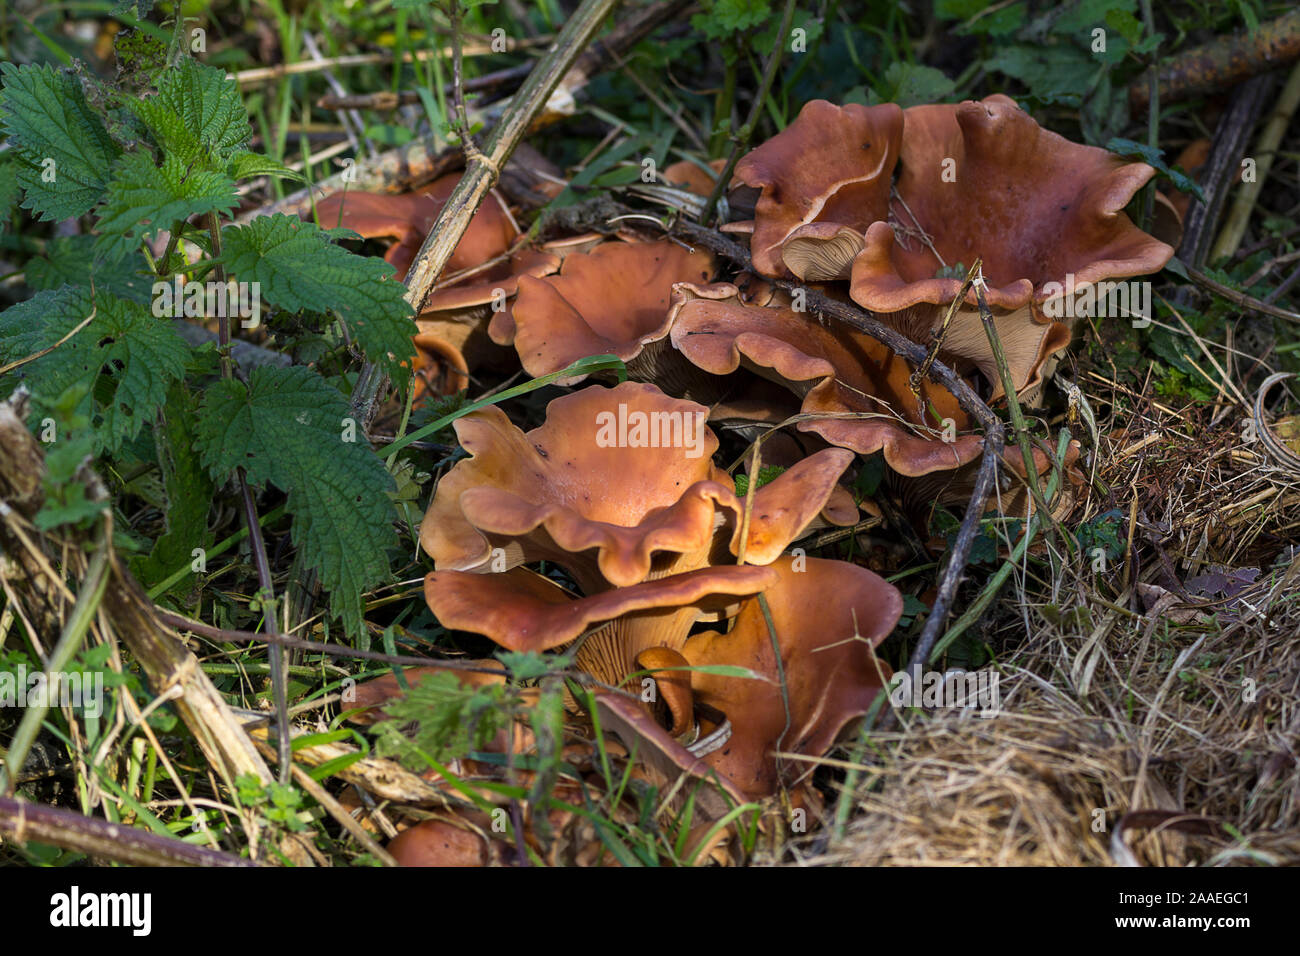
723 17
144 199
299 269
246 164
197 114
1154 156
1054 73
290 427
71 260
130 357
65 151
911 84
9 194
188 488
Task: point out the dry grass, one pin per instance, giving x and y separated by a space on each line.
1122 692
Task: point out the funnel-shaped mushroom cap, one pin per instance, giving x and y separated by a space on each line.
984 179
613 300
832 164
624 471
838 370
409 217
828 616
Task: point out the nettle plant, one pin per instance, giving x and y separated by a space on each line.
111 379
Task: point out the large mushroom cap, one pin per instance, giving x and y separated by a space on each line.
612 478
832 164
983 179
613 300
624 471
838 371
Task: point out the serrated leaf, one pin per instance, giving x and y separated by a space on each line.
299 269
723 17
187 485
9 194
130 357
246 164
286 427
65 151
911 84
1081 17
1057 72
71 260
1154 157
144 198
197 114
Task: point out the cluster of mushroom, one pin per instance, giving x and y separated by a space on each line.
619 491
655 569
891 200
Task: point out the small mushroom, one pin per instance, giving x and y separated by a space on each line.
822 251
440 843
691 177
408 217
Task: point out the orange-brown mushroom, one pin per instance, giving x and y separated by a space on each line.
828 616
549 490
440 843
615 504
613 300
689 176
408 217
831 165
625 472
1045 215
838 371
